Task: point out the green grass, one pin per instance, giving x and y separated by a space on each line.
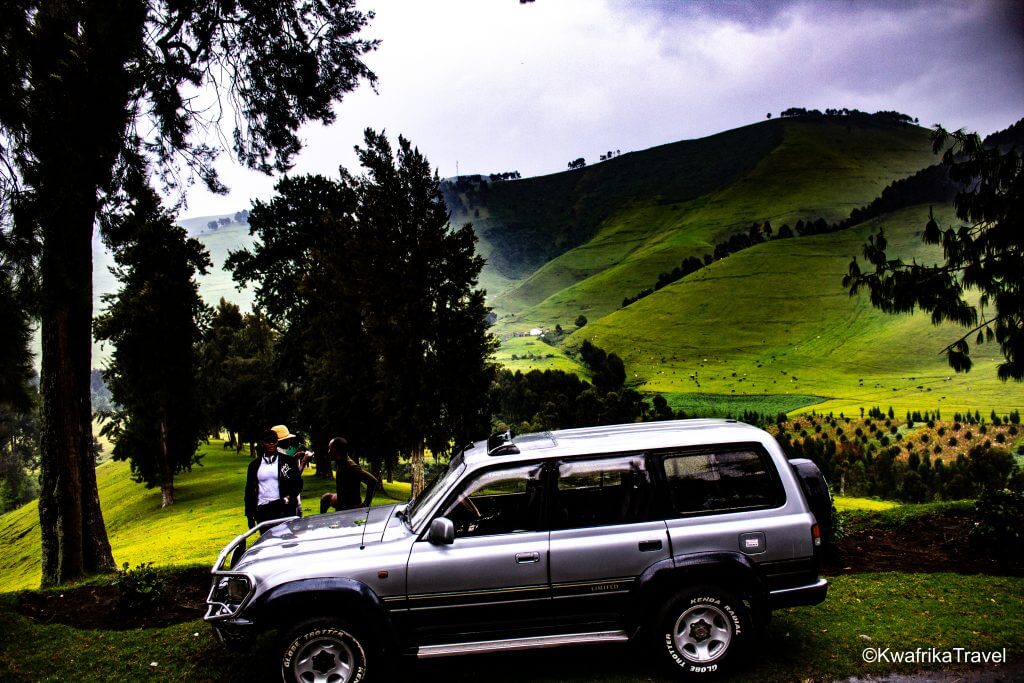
533 354
850 503
775 320
896 515
723 405
207 513
533 220
899 611
820 169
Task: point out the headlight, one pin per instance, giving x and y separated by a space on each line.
227 595
238 588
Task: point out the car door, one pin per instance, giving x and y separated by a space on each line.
492 581
604 535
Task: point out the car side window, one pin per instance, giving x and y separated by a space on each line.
602 491
501 501
721 481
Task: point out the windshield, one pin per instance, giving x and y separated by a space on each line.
422 505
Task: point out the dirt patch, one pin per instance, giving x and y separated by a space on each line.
182 598
929 543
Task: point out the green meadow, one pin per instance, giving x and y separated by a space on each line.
819 169
530 353
775 320
207 513
884 610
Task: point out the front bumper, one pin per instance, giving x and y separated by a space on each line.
811 594
235 634
221 613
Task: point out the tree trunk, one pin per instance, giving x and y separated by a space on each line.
69 502
80 92
166 473
416 463
321 459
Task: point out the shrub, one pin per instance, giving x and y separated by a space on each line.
999 531
139 588
990 467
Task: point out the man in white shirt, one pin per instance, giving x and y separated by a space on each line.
273 483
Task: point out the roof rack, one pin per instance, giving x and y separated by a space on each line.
501 444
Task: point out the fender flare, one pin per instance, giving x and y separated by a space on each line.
324 596
731 570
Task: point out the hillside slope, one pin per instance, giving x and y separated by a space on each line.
813 168
207 513
774 321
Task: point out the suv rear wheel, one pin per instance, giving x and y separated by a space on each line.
701 629
323 651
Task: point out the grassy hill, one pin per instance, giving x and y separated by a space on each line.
206 515
529 353
773 323
780 171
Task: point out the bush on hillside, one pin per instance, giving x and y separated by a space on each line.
139 588
999 530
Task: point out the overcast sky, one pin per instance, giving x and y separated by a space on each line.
495 85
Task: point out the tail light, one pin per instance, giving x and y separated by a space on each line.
816 534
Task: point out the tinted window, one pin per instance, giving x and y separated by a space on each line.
602 491
725 480
497 502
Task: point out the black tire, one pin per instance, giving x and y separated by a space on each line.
700 631
324 649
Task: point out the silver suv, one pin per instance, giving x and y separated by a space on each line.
684 535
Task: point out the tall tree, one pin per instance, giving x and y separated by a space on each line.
88 90
428 319
154 323
238 382
985 254
384 330
302 267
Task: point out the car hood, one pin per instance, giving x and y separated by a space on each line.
319 533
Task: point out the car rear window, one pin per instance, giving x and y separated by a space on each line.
721 481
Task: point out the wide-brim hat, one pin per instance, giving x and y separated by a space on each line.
282 432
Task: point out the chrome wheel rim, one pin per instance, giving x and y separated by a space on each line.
702 634
325 660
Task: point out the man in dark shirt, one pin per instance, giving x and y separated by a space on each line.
349 475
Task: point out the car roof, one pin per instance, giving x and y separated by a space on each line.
611 439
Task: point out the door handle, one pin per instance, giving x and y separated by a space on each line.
527 558
650 546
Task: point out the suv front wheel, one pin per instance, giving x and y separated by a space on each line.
323 650
700 630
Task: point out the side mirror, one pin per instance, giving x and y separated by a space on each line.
441 531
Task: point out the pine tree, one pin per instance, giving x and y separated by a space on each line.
154 324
